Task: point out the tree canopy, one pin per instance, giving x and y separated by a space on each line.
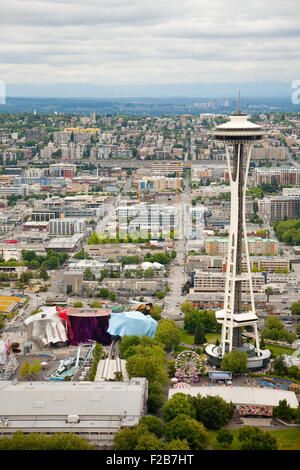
168 333
184 427
179 403
235 361
38 441
213 412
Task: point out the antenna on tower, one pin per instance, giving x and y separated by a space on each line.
239 103
238 112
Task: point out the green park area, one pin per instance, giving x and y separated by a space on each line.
278 350
188 338
287 439
212 337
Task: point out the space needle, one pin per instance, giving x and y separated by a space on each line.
238 136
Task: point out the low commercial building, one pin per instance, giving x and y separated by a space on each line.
72 282
140 287
256 246
95 266
66 226
37 226
268 153
268 264
111 250
93 410
215 282
65 243
283 175
160 183
285 207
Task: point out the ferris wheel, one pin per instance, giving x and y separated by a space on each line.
189 365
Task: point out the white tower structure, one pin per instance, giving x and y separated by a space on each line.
239 134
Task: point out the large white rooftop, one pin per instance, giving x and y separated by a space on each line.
242 395
65 398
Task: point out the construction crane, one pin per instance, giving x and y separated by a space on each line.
4 181
181 164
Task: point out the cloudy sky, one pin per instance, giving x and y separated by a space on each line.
148 42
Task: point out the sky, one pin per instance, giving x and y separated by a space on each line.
121 44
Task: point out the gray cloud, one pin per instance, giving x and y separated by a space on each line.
138 41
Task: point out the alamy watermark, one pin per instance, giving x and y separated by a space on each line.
2 92
296 93
139 222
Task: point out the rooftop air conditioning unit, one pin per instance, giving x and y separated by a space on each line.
73 419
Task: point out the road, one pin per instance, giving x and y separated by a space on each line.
178 277
290 158
102 224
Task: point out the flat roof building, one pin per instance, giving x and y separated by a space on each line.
243 395
94 410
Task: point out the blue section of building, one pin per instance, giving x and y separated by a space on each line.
131 323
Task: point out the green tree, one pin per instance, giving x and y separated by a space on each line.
269 290
213 412
156 312
283 411
96 304
186 307
185 428
127 342
295 308
177 444
279 366
34 264
151 367
88 275
199 333
38 441
179 403
153 424
78 304
35 367
159 295
112 296
262 344
273 321
53 262
148 441
127 438
25 369
224 437
103 293
168 333
253 438
235 361
155 398
43 274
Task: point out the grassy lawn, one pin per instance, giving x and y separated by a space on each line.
186 337
277 350
179 349
212 337
287 439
